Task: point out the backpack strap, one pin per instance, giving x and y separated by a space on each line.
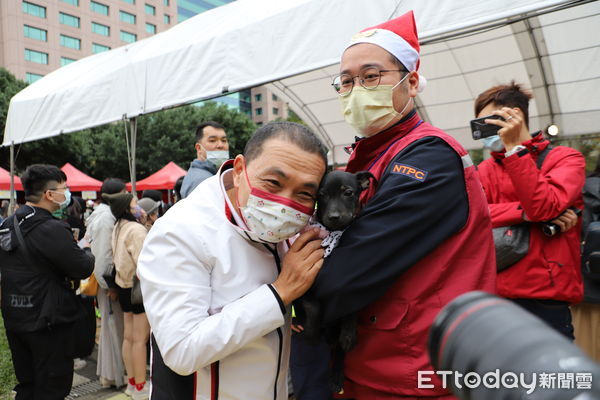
542 156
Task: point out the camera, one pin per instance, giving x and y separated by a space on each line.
551 229
482 335
481 130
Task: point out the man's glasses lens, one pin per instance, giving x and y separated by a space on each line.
368 78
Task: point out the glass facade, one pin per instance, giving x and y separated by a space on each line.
100 29
34 9
150 10
68 19
72 2
188 8
35 33
150 28
127 17
31 77
128 37
99 8
64 61
36 56
99 48
70 42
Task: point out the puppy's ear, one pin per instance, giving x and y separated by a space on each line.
363 178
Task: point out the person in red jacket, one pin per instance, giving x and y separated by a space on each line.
423 236
548 278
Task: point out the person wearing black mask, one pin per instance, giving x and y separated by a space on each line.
39 259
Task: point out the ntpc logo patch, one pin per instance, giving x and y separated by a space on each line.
411 172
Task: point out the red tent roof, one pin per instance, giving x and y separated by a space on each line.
162 179
79 181
5 180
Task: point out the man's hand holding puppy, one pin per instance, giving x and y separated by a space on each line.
300 266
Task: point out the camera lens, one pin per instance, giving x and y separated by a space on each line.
550 229
480 333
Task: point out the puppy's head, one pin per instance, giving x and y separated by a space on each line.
338 198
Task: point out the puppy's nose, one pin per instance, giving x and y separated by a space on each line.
333 216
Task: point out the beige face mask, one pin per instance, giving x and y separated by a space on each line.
371 110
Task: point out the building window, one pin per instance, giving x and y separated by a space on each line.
35 33
36 56
275 111
65 61
129 1
259 124
100 29
127 17
258 111
67 19
150 10
99 48
34 9
258 97
167 19
128 37
70 42
150 28
166 2
99 8
274 97
72 2
31 77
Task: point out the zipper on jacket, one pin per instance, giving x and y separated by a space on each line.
279 331
280 334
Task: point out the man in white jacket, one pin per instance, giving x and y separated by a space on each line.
217 275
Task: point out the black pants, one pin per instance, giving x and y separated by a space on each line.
166 384
43 363
555 313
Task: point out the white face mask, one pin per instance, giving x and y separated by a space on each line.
273 218
493 143
369 111
217 157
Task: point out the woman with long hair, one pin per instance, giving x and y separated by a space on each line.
127 240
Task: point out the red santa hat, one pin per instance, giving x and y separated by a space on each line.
397 36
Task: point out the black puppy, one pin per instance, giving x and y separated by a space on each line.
337 206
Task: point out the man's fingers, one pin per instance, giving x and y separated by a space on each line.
317 266
314 257
310 247
304 238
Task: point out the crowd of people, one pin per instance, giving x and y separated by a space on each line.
209 286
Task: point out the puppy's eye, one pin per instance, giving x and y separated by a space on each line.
348 193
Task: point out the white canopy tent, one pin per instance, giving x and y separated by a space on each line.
551 46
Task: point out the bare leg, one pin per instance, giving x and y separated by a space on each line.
141 333
128 344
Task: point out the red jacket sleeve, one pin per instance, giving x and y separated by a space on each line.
502 213
547 193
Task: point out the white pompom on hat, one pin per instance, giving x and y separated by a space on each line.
398 37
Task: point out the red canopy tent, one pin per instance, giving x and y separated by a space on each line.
162 179
5 180
78 181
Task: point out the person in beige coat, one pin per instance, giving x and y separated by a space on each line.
127 240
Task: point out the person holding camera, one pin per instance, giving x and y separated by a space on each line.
528 180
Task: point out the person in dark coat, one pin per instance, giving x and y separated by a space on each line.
39 305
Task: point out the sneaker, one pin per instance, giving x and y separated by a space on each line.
78 364
130 389
143 394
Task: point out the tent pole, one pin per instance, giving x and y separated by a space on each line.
12 201
133 131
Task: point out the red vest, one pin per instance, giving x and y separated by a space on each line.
393 331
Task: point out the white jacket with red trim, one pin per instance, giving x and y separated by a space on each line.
207 297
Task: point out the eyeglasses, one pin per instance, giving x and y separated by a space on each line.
369 78
56 189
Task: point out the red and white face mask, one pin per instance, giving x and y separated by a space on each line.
273 218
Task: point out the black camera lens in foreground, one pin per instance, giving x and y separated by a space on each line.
481 336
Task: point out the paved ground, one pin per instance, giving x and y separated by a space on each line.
86 385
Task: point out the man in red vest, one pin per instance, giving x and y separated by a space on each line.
423 236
